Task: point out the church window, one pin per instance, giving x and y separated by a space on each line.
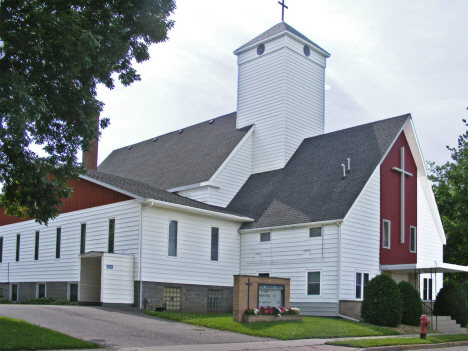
36 246
83 238
172 248
265 237
386 234
214 243
110 248
41 290
315 232
260 49
58 242
172 298
427 289
412 239
17 247
313 283
215 300
14 292
1 249
362 279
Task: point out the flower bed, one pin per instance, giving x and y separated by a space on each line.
269 314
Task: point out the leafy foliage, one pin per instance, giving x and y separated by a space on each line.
4 300
382 302
52 56
47 301
452 301
450 186
411 304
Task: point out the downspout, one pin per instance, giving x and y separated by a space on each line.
140 250
339 268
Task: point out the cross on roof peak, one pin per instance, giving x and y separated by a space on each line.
282 9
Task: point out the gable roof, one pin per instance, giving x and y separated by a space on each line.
177 159
311 188
276 29
136 188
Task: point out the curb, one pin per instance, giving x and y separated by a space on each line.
416 346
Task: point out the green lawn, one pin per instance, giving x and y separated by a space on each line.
310 327
431 339
16 334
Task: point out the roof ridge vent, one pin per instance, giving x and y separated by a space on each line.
211 121
155 139
180 131
130 147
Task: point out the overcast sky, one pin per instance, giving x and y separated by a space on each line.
388 58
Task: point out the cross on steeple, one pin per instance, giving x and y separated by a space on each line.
403 173
282 12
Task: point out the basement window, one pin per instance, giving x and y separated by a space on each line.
73 292
215 300
41 290
172 298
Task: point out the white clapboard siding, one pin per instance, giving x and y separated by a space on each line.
282 93
305 89
193 263
291 254
117 281
429 245
360 237
48 268
233 175
200 194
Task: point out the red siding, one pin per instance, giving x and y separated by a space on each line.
390 203
85 195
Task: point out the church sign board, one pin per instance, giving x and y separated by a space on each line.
254 292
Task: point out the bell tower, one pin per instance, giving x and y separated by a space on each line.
281 89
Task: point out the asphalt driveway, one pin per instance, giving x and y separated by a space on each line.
116 327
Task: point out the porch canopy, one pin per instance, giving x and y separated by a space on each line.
424 268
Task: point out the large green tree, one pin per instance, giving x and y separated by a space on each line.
53 54
450 185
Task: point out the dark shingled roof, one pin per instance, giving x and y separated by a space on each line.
310 188
150 192
177 159
280 27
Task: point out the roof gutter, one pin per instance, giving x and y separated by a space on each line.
299 225
168 205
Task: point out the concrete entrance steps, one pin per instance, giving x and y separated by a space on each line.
447 325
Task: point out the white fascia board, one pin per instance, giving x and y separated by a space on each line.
435 268
411 136
105 185
298 225
193 186
232 154
313 47
184 208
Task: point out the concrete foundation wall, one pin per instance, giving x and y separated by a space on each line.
194 298
351 309
57 290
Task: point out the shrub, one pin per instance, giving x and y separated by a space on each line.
382 302
39 301
451 301
4 300
411 304
62 302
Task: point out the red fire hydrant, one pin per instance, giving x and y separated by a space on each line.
424 324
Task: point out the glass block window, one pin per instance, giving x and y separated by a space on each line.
73 292
215 300
173 298
315 232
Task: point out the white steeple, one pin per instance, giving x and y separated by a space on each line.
281 91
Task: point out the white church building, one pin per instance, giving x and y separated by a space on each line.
261 191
